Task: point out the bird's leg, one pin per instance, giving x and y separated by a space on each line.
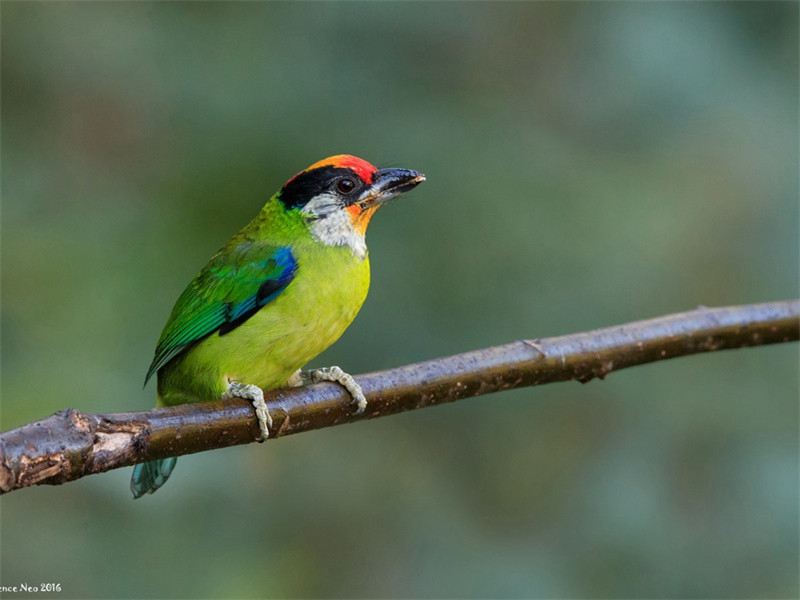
256 395
297 379
336 375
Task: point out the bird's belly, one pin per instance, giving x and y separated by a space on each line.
307 317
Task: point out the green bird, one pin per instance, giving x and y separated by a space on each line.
278 293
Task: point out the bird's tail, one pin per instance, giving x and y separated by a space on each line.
148 477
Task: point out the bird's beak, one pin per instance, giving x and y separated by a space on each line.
388 183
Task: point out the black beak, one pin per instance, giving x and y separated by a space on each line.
388 183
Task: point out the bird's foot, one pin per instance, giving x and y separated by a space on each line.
256 395
336 375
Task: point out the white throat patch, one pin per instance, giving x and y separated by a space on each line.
330 224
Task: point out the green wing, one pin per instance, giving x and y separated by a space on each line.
231 288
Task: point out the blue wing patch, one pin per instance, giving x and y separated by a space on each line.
238 313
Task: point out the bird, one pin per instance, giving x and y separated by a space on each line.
279 292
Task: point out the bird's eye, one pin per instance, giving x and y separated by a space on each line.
345 185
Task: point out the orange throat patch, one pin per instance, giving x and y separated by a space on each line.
360 218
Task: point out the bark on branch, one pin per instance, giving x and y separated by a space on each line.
71 444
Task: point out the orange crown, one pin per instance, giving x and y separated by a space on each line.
362 168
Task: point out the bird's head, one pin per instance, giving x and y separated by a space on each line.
339 194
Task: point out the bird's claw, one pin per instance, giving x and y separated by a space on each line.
256 395
336 375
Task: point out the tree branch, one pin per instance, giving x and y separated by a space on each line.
71 444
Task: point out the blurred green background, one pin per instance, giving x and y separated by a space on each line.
588 165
